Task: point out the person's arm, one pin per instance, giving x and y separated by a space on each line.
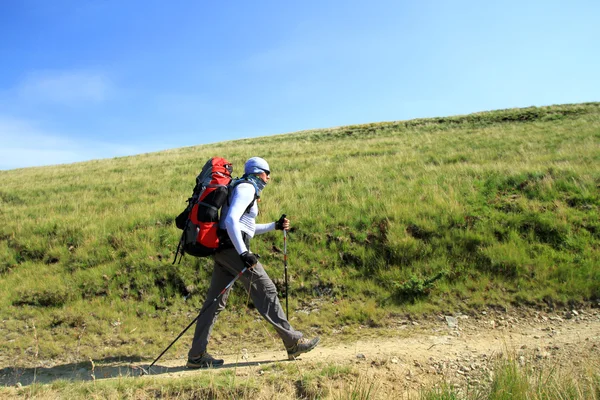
264 228
243 195
281 224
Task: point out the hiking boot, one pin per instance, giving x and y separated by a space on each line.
302 346
205 360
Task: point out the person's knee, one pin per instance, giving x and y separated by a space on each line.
265 287
270 288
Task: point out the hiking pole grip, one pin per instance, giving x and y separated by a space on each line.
287 311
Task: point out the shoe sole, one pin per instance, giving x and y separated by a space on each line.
191 365
292 357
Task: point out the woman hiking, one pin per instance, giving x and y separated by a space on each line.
238 227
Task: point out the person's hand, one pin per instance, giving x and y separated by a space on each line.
249 259
282 224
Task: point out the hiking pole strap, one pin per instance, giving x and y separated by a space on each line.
177 252
200 314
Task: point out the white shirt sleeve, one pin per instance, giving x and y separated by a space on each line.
264 228
241 199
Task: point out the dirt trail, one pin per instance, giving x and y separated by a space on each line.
459 348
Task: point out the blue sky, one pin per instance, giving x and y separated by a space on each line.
83 80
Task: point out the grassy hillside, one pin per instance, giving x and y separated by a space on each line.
491 209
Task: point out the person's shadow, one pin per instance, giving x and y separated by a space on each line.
111 367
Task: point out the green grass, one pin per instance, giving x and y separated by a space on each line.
440 214
213 386
510 381
514 382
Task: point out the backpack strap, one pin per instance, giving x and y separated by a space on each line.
236 182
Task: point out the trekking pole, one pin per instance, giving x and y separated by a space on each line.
147 372
287 312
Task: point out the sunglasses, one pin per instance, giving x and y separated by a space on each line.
266 171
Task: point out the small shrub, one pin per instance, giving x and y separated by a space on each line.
414 288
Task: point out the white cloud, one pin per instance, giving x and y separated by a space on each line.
66 87
25 144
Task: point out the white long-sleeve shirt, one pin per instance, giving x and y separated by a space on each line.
236 220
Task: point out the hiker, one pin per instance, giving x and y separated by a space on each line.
237 228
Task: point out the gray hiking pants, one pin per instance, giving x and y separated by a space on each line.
262 292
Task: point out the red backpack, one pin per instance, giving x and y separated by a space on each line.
200 220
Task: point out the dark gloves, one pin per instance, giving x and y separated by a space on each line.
279 223
249 259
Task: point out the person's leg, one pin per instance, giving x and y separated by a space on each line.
220 278
263 293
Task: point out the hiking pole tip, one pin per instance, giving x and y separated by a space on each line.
143 371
